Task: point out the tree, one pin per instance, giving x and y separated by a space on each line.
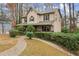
2 18
12 7
49 6
72 18
64 14
30 29
20 12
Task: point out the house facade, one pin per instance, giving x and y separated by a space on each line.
43 21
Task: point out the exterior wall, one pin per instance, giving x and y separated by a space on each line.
40 18
23 20
52 18
78 24
57 23
34 14
52 28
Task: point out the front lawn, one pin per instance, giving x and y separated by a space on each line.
38 48
5 47
6 42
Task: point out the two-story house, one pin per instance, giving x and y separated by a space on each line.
43 21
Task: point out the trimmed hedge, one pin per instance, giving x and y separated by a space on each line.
21 30
29 34
67 40
30 28
65 30
13 33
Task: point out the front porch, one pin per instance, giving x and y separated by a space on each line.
40 27
43 28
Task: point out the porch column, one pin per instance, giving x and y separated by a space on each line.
52 28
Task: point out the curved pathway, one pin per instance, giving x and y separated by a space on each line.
17 49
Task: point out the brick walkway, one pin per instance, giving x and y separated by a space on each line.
17 49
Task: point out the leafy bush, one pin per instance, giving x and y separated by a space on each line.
30 31
67 40
77 30
43 35
29 34
77 36
21 30
65 30
30 28
13 33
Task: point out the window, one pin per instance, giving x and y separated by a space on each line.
31 18
45 28
46 17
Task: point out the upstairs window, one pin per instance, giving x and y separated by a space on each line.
46 17
31 18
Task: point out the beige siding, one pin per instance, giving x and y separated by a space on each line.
78 25
51 17
34 14
57 23
40 19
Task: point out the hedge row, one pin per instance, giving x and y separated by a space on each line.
67 40
14 33
18 30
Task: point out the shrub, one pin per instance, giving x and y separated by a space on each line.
65 30
30 28
77 36
30 31
13 33
21 30
67 40
43 35
77 30
29 34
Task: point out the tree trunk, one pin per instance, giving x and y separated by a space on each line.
64 15
74 19
2 28
2 19
70 17
20 12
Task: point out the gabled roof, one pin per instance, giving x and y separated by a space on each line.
38 12
41 13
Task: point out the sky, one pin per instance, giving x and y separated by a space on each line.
60 5
41 6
